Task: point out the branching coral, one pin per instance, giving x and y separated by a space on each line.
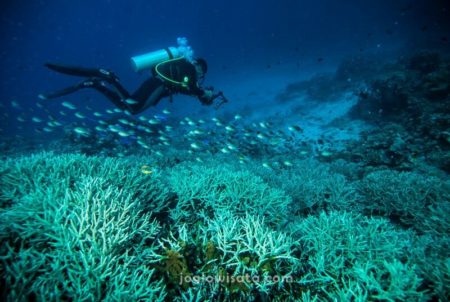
85 228
228 258
212 189
351 257
315 188
19 176
75 238
416 200
246 245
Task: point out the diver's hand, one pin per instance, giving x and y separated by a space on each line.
207 97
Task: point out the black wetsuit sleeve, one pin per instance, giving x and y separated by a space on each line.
196 91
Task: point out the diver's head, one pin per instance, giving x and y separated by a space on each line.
201 67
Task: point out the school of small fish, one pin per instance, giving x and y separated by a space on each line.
232 136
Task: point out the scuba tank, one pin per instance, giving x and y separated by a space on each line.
151 59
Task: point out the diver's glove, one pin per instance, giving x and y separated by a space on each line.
208 97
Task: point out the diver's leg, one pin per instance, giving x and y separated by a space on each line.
89 83
148 94
96 84
124 94
59 93
82 71
113 96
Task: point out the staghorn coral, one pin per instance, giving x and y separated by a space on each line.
237 259
220 188
74 238
80 228
419 201
314 187
22 175
354 258
80 246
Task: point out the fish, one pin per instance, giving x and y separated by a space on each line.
195 146
14 104
224 150
131 101
146 170
143 145
100 129
82 131
69 105
114 128
80 115
231 147
326 153
124 121
160 117
287 163
261 136
295 128
230 129
154 121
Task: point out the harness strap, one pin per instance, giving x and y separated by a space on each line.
185 81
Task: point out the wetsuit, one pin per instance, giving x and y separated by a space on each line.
170 77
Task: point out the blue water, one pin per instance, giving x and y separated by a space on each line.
243 41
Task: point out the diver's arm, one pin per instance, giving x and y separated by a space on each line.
207 97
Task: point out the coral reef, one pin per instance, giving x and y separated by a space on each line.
409 104
212 189
418 201
71 231
352 257
369 223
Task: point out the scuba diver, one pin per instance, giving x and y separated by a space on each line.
172 72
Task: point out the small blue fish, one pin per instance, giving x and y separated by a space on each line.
160 117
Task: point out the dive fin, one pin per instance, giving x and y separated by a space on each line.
81 71
61 92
